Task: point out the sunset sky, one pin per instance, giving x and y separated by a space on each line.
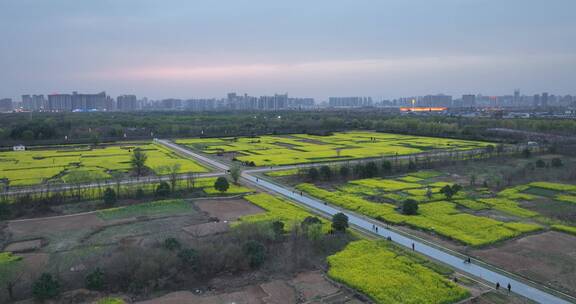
319 48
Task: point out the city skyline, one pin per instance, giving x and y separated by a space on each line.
320 49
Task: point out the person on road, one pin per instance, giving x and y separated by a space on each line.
509 288
497 285
412 246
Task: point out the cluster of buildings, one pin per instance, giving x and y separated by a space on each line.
516 100
80 102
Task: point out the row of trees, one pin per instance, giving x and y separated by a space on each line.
82 127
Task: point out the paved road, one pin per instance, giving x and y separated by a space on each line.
202 158
437 254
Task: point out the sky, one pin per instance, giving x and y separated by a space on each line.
307 48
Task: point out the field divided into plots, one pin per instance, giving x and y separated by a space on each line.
72 163
304 148
454 219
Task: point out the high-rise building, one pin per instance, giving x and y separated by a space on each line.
300 103
468 100
59 102
127 103
536 100
516 100
6 105
34 102
439 100
77 102
273 103
544 99
349 102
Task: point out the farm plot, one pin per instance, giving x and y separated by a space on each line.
548 258
453 219
277 209
85 164
388 275
302 148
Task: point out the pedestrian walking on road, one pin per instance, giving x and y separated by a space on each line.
497 285
412 246
509 288
376 229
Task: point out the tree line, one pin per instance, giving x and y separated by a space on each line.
52 128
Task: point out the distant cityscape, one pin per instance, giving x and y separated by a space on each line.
101 102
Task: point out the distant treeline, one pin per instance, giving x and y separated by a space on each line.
48 128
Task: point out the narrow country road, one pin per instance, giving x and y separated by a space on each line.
540 295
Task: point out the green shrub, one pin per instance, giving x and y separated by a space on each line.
46 287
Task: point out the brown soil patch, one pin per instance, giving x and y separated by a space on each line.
228 210
24 228
309 287
278 293
251 295
24 246
206 229
548 258
312 285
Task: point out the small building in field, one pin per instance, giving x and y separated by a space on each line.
19 148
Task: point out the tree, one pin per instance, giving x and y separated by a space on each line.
526 153
371 169
95 280
556 162
172 244
46 287
221 184
138 161
410 207
310 220
429 193
163 189
540 163
386 166
490 149
325 172
235 173
278 228
450 191
109 197
189 257
447 191
173 173
313 174
344 171
339 222
412 166
255 252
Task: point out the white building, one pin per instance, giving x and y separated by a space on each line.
19 148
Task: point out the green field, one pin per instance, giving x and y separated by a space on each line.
277 209
303 148
84 164
380 198
389 275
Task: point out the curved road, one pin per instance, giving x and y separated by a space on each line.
453 260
